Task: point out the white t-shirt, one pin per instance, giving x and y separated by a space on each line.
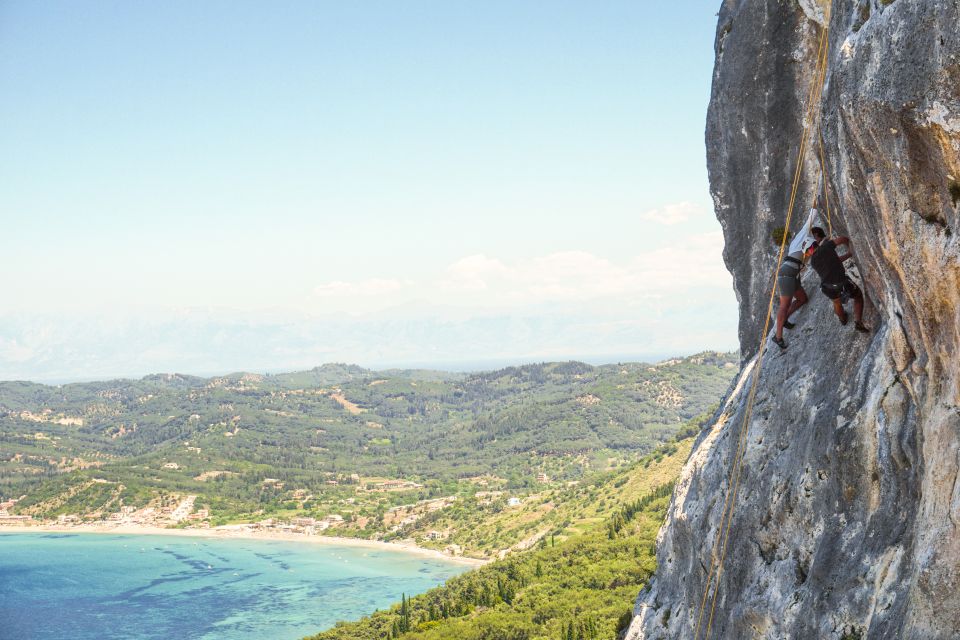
796 245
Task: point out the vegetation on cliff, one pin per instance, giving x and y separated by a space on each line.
577 583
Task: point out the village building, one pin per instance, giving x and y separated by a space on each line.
9 518
396 485
487 497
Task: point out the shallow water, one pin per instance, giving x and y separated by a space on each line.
101 586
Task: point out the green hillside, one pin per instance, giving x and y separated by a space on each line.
344 440
485 525
578 582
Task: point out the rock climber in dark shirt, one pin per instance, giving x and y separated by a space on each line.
834 281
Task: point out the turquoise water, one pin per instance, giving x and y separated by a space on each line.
100 586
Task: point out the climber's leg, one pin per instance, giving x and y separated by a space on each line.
834 292
788 282
838 309
857 296
783 312
799 299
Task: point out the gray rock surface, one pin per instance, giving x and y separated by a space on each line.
846 523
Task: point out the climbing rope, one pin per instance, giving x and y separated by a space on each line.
826 180
733 480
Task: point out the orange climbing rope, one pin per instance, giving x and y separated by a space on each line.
733 480
826 180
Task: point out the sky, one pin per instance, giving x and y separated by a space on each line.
218 186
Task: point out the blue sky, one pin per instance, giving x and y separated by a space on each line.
318 172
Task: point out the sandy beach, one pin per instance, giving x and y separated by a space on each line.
239 533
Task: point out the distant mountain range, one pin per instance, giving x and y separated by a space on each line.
59 348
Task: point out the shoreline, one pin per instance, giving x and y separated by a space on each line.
229 533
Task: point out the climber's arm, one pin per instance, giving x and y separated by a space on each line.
844 241
810 219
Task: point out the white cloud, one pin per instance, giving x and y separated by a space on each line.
13 351
578 276
474 273
556 276
694 263
361 288
672 214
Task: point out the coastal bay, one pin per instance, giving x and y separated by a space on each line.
245 532
174 583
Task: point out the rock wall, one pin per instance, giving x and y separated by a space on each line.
846 524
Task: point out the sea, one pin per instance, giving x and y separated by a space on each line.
103 586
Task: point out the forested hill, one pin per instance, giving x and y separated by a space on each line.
578 582
309 442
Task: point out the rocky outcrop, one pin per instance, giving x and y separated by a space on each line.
846 524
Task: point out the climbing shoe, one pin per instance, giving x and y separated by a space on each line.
862 328
788 325
843 318
780 342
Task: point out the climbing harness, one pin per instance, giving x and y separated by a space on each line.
733 479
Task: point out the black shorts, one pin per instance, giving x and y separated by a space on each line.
788 280
842 290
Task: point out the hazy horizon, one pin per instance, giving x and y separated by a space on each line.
465 366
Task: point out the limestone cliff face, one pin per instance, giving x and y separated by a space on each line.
848 518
